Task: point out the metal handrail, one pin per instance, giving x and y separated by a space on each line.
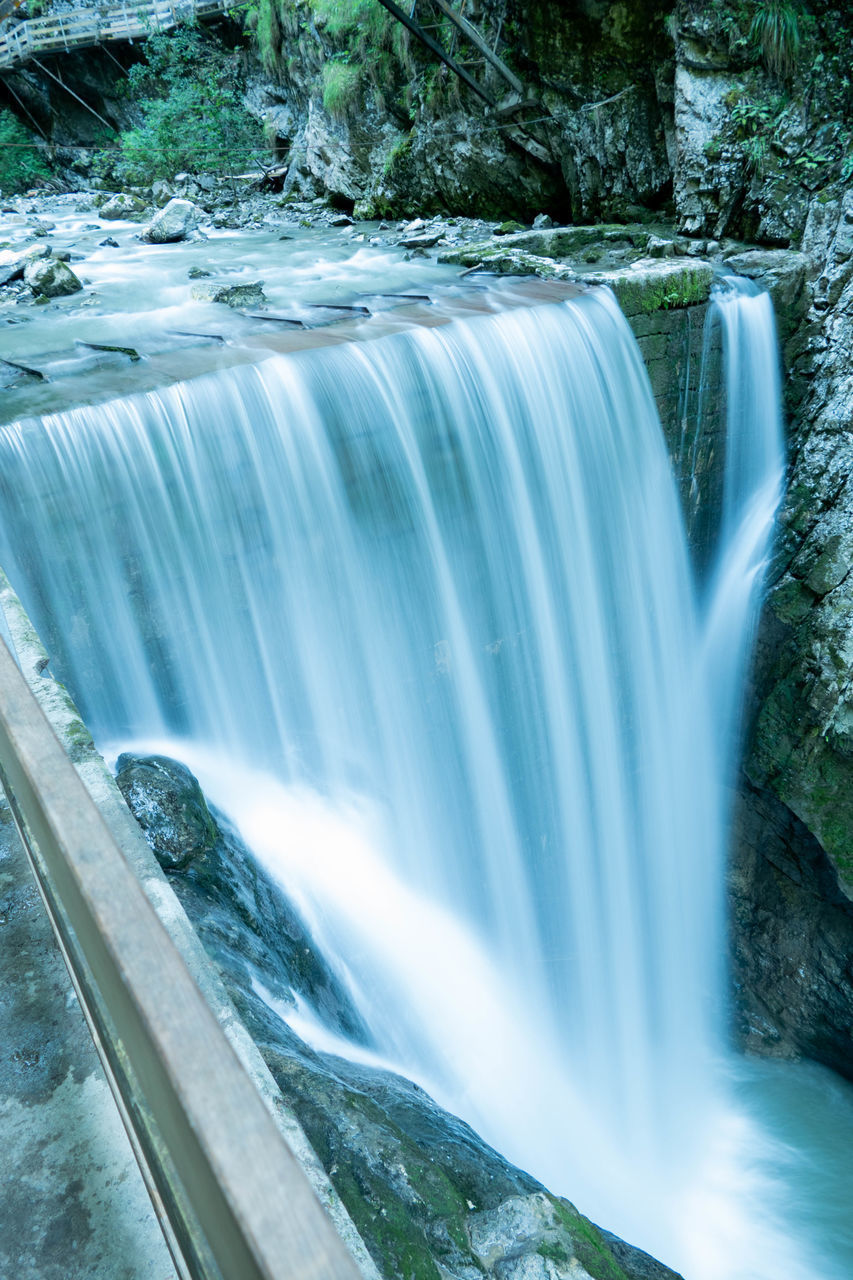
234 1202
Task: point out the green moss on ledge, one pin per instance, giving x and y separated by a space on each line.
660 286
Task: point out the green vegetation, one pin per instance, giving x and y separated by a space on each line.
363 47
775 29
555 1252
398 151
341 89
191 118
21 166
647 293
591 1249
756 124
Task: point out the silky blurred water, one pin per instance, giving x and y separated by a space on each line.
420 612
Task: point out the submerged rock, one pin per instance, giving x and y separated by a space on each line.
430 1199
174 222
50 278
233 295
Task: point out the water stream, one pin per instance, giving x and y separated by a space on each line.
421 615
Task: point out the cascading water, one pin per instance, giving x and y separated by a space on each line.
421 613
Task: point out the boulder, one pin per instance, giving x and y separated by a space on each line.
174 222
425 240
169 806
122 206
241 915
50 278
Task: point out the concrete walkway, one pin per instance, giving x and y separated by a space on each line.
72 1202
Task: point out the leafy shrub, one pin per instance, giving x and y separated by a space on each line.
191 117
757 124
20 163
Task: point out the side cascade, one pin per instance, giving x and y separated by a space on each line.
421 615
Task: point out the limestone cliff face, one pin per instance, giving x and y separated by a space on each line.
793 875
410 139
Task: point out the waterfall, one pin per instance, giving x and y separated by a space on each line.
421 614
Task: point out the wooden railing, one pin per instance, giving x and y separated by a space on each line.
132 20
232 1199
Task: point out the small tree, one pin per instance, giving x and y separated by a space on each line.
20 163
191 116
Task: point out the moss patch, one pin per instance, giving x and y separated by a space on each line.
664 288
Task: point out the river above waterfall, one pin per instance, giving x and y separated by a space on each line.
322 285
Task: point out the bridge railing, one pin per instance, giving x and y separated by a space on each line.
84 27
231 1197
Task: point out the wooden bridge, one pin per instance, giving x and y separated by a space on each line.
82 28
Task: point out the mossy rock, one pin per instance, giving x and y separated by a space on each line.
659 286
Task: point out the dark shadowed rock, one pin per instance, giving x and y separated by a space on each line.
791 939
240 914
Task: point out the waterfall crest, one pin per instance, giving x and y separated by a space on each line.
431 598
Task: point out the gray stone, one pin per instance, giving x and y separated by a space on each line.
50 278
542 221
72 1203
232 295
660 247
161 193
174 222
421 241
